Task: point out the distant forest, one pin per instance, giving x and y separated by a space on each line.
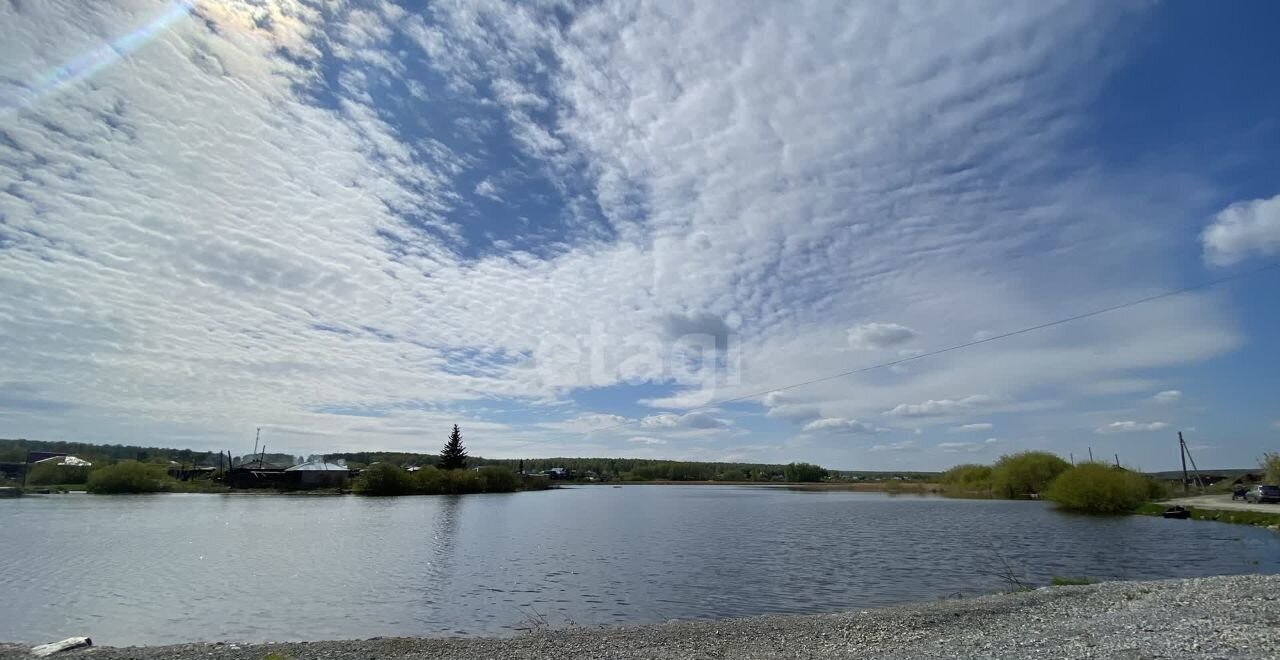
15 451
605 468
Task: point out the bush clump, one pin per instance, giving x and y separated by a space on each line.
389 479
967 479
499 480
49 473
129 477
384 479
1021 475
1100 488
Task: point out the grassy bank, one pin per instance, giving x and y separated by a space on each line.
1255 518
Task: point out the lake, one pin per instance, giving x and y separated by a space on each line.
177 568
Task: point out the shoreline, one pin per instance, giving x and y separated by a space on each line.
1227 616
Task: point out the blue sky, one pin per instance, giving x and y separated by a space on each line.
624 229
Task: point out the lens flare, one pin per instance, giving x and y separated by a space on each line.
103 56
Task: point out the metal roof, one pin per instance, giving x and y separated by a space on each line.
72 461
320 466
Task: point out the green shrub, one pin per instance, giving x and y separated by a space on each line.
459 482
49 473
1020 475
129 477
499 480
1099 488
1271 467
429 481
384 479
967 479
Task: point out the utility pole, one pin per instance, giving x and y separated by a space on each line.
1091 454
1182 452
1117 460
1073 458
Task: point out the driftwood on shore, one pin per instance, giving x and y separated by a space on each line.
45 650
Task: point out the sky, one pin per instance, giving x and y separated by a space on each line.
629 228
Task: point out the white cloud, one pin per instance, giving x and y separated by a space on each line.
488 188
1167 396
781 406
839 425
645 440
1132 427
1243 230
904 446
874 336
941 407
957 447
693 420
976 426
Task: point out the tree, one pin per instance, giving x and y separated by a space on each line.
454 455
803 472
1271 467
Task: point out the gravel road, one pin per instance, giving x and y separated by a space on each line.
1219 617
1223 503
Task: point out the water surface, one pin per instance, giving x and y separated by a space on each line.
176 568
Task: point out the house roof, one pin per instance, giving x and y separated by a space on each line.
71 461
318 466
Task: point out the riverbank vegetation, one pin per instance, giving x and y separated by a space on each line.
129 477
1236 516
385 479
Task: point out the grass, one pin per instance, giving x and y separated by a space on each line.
1066 581
1255 518
129 477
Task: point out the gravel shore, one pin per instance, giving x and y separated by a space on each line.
1219 617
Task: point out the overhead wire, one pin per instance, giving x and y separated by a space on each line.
969 344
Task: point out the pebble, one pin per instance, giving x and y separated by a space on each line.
1217 617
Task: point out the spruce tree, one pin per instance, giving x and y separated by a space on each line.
454 455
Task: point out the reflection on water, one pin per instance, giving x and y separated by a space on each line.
173 568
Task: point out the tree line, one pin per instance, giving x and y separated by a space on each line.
452 456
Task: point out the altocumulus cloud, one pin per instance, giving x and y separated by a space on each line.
284 220
1132 427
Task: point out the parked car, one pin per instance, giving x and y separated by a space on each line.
1239 493
1259 494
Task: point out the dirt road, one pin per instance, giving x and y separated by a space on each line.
1223 503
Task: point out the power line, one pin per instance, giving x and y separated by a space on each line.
969 344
